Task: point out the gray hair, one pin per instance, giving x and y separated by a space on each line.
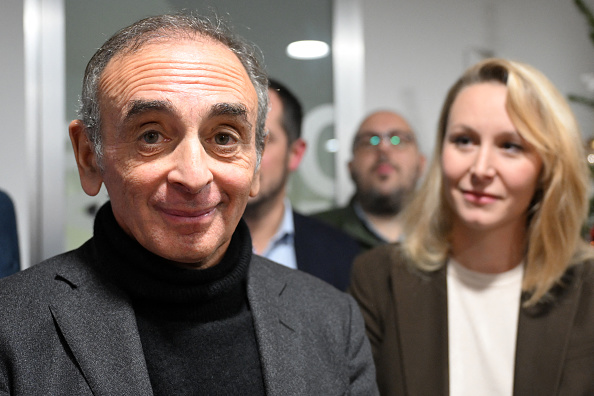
132 38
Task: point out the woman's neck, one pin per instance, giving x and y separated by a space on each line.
489 251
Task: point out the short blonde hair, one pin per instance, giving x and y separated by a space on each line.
542 117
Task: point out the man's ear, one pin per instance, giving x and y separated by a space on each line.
296 153
422 164
350 165
255 187
88 170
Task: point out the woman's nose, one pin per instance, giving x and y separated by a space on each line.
483 164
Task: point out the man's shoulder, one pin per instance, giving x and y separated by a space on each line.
50 277
277 280
314 227
335 216
386 262
324 251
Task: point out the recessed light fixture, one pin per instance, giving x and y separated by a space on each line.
308 49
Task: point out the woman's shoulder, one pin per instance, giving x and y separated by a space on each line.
381 261
576 280
584 270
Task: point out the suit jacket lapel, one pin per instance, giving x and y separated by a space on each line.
280 351
542 341
421 305
100 329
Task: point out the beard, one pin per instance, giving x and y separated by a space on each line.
379 202
382 204
262 202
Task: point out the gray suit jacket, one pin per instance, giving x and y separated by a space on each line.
64 330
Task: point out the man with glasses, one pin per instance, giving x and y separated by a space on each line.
385 167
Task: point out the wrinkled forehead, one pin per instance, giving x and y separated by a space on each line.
198 67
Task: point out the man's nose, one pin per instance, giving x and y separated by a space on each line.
190 171
384 144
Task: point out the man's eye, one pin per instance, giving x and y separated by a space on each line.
223 139
151 137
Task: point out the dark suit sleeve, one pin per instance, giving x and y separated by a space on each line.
3 380
324 251
361 367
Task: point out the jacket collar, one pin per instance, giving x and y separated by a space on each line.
541 344
275 326
98 324
421 312
543 336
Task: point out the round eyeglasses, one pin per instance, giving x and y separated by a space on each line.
398 140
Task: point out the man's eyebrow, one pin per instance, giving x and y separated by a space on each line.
138 107
237 110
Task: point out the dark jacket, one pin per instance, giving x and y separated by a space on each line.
65 331
346 219
9 243
323 251
405 313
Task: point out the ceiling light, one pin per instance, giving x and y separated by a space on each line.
307 49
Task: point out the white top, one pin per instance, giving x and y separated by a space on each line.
483 314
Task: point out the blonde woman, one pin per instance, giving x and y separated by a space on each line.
492 290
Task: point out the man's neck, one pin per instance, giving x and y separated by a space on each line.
265 222
387 226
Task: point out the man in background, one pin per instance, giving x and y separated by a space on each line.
278 232
385 168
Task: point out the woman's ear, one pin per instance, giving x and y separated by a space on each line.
86 161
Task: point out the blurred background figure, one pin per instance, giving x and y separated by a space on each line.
9 242
385 167
278 232
490 291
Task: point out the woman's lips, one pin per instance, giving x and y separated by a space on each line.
478 197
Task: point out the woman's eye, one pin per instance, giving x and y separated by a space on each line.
511 146
151 137
462 140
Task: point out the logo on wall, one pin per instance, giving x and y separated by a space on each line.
314 123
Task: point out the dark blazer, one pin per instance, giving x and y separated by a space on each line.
324 251
405 315
9 242
65 331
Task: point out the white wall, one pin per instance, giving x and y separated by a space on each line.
416 49
33 128
13 167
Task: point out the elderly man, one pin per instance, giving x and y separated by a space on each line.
166 298
385 167
278 232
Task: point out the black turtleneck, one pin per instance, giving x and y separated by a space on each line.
195 326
